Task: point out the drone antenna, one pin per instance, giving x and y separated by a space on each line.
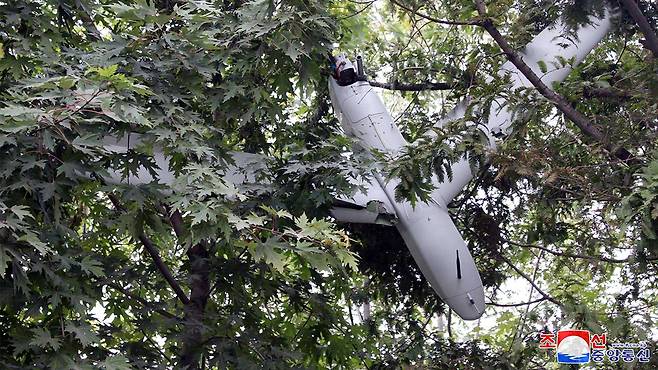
359 68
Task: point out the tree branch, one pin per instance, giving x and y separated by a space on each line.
164 269
523 275
516 304
198 256
155 256
395 85
87 21
176 221
571 255
192 337
472 22
564 254
612 93
651 40
141 300
560 102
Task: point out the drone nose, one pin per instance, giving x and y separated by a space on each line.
470 305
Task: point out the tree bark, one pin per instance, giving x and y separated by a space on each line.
192 340
194 311
651 42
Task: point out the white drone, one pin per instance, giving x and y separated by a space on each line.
427 229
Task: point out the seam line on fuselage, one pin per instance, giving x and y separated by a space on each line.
364 95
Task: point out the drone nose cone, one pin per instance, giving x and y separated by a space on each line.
469 306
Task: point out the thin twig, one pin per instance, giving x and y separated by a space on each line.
572 255
155 345
141 300
93 96
472 22
358 11
519 324
155 256
88 21
523 275
395 85
516 304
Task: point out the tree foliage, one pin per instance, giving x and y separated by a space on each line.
204 274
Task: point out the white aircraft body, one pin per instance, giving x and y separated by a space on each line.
427 229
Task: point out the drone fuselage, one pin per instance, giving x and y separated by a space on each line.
428 231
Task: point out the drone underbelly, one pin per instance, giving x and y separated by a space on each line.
444 258
364 116
377 131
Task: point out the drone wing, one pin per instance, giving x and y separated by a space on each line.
555 51
368 205
552 55
244 171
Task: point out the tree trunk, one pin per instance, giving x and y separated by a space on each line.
192 339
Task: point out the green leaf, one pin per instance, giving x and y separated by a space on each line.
280 213
47 191
268 251
238 222
116 362
348 258
87 143
70 169
42 338
293 51
33 239
13 110
63 362
233 90
255 220
21 212
202 213
106 72
83 333
319 261
66 83
4 260
91 267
